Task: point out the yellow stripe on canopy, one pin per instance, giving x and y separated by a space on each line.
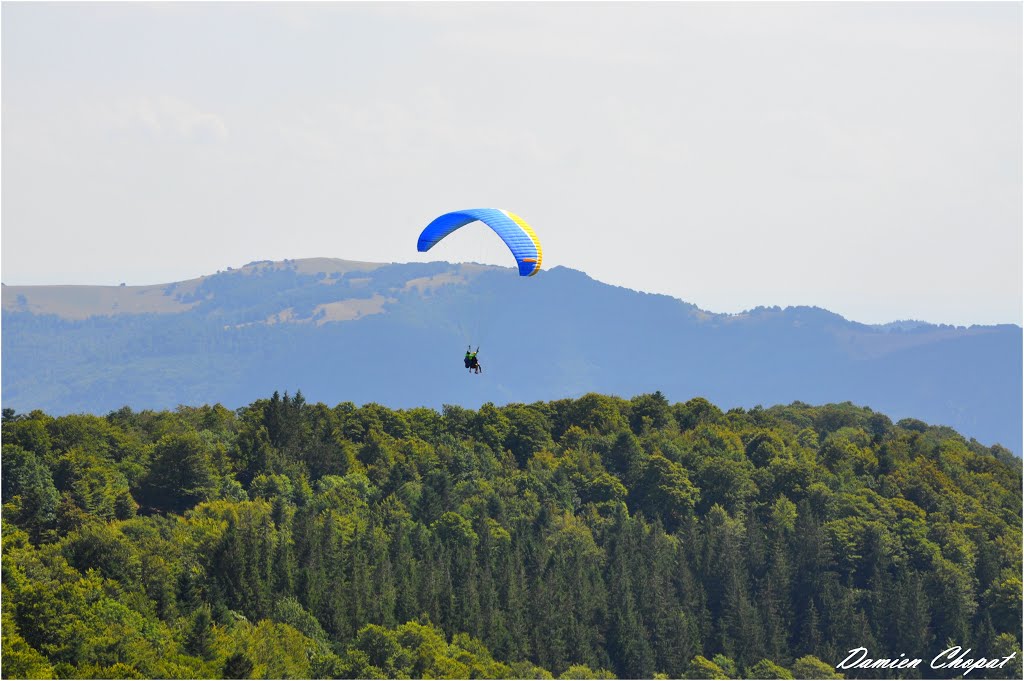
533 237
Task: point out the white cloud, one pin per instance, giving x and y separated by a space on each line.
160 118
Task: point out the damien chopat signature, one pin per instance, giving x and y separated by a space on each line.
950 658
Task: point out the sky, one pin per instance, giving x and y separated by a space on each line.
861 157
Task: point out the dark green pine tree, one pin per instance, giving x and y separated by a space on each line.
690 589
550 619
199 640
628 638
357 590
515 599
283 564
673 633
237 666
180 476
775 605
488 595
737 631
384 596
404 568
912 613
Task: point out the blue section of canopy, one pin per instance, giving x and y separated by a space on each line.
518 237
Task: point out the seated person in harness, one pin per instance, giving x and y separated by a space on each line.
471 361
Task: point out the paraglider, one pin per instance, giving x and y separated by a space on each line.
472 363
513 230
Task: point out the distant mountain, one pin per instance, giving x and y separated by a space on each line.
395 333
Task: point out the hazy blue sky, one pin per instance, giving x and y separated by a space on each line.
862 157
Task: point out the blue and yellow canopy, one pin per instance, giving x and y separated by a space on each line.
513 230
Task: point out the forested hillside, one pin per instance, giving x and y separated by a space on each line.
575 538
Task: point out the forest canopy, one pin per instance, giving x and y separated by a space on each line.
596 537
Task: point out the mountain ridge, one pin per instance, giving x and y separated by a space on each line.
328 265
390 332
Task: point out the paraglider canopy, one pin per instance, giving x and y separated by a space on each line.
513 230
